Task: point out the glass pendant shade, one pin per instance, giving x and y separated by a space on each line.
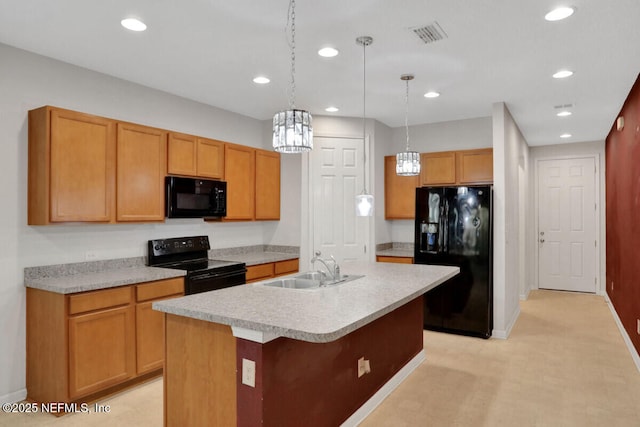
364 205
292 131
408 163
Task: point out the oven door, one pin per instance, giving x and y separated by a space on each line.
211 280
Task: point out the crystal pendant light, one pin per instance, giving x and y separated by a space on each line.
407 162
292 129
364 201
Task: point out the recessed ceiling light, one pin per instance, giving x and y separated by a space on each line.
559 13
133 24
261 80
564 113
562 74
431 94
565 135
328 52
331 109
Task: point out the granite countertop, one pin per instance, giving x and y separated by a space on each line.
95 275
255 258
314 315
90 281
395 249
396 252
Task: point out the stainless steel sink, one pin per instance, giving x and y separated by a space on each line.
293 283
309 280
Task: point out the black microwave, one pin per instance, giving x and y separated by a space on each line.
195 198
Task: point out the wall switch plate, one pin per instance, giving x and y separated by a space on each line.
249 372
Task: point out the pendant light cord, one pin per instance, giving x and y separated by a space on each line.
364 115
291 21
406 113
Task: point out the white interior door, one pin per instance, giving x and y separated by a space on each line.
567 224
336 178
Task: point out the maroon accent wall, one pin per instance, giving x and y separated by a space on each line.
623 215
301 383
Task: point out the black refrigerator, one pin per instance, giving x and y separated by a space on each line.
453 227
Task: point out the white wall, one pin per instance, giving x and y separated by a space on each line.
29 81
592 149
446 136
510 152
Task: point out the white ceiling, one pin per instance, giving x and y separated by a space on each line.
496 50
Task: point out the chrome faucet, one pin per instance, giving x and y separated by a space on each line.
334 272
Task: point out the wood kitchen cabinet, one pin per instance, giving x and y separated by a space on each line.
394 259
71 167
438 168
150 323
464 167
82 345
256 273
101 350
267 185
195 156
474 166
239 167
141 168
399 192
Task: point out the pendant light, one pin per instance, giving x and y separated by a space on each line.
292 129
407 162
364 201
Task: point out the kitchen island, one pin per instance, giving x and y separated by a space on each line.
259 355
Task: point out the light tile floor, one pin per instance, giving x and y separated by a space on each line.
564 365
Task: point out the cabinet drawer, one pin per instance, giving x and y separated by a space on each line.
95 300
285 267
159 289
261 271
395 259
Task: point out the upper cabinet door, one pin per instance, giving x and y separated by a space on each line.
141 168
267 185
239 172
182 154
82 167
438 168
475 166
399 192
210 158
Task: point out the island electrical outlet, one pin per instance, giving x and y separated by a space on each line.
249 372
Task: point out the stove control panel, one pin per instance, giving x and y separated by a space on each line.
179 245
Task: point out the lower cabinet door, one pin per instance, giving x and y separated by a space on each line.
101 350
149 338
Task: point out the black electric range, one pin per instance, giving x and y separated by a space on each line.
190 254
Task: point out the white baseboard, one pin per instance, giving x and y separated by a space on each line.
16 396
503 334
625 336
375 400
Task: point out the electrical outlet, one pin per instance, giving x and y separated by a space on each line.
90 256
364 367
612 283
249 372
638 326
361 367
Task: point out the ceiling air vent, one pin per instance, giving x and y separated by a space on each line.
429 33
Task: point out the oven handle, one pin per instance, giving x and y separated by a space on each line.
206 276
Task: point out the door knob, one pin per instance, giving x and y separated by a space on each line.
541 240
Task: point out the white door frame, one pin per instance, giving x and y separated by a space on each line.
596 161
307 221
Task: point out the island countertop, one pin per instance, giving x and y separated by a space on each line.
314 315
